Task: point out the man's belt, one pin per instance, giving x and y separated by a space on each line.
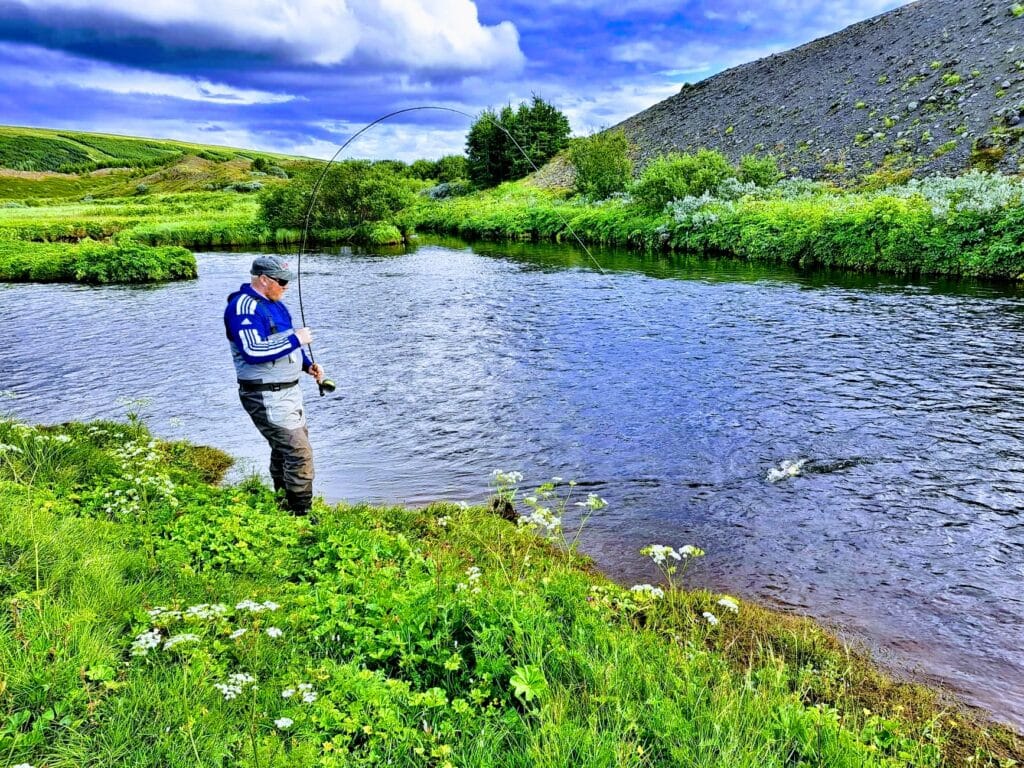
259 386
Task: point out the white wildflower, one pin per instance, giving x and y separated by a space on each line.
287 693
205 611
253 607
688 550
730 604
659 552
506 479
274 632
648 590
235 684
442 522
710 618
284 723
146 642
238 633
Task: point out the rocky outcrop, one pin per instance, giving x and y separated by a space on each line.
936 86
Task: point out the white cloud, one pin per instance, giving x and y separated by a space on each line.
704 58
41 68
389 141
416 34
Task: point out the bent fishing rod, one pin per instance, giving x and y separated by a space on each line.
327 385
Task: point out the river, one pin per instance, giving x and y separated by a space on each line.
671 388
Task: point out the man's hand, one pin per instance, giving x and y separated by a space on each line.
317 372
304 335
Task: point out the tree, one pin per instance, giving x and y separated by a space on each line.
539 129
452 168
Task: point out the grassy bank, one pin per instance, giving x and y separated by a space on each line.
151 619
969 226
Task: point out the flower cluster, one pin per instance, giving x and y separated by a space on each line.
199 615
205 611
647 591
307 692
146 642
235 685
473 574
253 607
140 479
659 552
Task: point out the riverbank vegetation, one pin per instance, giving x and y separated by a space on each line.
148 618
972 225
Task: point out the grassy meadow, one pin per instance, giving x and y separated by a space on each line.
151 618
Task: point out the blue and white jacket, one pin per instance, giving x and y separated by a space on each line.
263 342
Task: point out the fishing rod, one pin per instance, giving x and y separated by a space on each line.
327 385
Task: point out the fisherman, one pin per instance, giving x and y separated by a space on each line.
268 357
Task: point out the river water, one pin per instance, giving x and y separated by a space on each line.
670 388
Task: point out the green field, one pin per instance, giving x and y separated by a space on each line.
152 619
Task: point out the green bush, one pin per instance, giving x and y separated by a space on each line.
676 176
763 171
131 262
602 163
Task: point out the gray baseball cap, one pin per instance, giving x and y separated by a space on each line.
272 266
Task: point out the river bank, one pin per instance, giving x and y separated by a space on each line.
970 226
196 623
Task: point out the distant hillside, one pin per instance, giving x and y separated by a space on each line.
37 162
936 86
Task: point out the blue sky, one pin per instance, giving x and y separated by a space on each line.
300 76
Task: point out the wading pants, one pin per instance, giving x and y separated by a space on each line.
281 419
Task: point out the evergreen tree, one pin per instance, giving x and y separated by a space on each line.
492 156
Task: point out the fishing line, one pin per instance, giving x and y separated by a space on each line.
323 174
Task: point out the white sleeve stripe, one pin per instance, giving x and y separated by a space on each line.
257 347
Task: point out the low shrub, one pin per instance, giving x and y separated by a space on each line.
675 176
763 171
602 164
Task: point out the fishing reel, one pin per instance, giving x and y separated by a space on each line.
326 386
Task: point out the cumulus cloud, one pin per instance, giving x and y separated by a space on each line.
39 68
412 34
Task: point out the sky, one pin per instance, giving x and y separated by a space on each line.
301 76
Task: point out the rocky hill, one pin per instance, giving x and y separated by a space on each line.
936 86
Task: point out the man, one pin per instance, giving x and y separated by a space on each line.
268 357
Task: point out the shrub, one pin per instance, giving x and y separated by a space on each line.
449 189
676 176
245 186
602 163
353 192
131 262
763 171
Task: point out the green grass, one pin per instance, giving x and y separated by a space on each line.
440 637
